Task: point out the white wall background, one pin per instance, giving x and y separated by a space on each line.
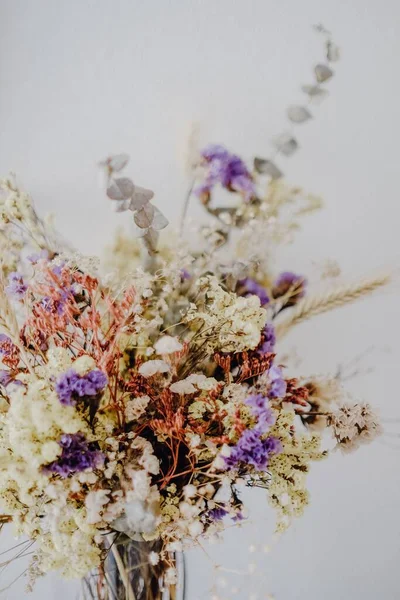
82 79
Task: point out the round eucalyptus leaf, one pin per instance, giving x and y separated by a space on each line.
286 144
120 188
267 167
315 91
298 114
159 220
144 217
323 73
140 198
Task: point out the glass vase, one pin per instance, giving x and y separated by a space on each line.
128 575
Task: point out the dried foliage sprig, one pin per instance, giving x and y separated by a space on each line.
127 196
286 143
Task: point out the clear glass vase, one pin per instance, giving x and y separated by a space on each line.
128 575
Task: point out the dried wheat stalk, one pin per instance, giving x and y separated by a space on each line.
315 305
8 320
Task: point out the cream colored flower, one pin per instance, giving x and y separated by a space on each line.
167 345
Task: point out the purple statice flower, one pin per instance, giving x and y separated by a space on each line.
238 517
70 386
6 344
251 287
273 445
214 152
261 410
65 387
57 305
8 349
226 169
287 280
251 449
217 514
57 269
35 258
53 306
268 340
16 286
77 455
185 275
96 381
277 383
6 378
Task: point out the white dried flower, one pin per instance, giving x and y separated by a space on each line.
151 367
183 387
189 490
195 528
139 517
175 546
194 440
236 321
202 382
170 576
154 558
94 503
84 364
50 451
136 407
167 345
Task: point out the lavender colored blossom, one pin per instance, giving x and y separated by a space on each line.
185 275
6 378
57 269
251 287
215 152
70 386
16 286
251 449
57 305
261 410
239 517
5 344
286 281
35 258
8 351
217 514
277 383
97 379
268 340
77 455
228 170
273 445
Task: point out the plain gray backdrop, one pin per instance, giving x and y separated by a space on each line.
82 79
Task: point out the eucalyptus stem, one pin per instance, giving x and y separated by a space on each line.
185 207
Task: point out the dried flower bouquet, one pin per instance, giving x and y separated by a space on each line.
135 403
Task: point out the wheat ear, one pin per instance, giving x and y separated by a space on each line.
320 303
8 319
